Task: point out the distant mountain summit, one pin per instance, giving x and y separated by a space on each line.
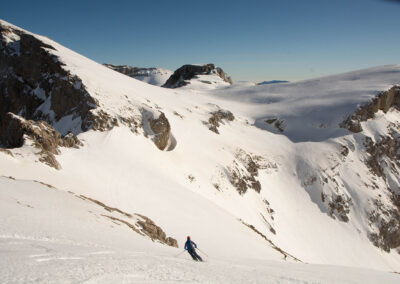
154 76
272 82
203 74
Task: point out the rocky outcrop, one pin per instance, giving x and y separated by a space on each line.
245 169
34 85
383 101
383 161
149 228
182 75
138 223
36 92
217 117
223 75
16 130
383 152
339 206
386 222
161 130
156 126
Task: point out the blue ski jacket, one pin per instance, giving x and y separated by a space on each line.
189 245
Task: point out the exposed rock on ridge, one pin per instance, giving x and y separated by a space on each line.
384 101
138 223
37 92
34 85
16 130
182 75
383 162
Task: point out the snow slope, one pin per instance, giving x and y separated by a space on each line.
75 252
189 189
312 109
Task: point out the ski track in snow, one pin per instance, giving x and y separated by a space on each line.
39 261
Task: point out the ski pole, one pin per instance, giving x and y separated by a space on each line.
202 252
180 253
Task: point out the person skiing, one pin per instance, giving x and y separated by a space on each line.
190 247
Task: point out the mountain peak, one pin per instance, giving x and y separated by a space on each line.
206 74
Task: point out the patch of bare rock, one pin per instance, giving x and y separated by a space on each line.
137 222
218 117
16 130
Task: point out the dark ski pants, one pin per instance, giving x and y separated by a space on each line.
194 255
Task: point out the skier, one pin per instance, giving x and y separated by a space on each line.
190 247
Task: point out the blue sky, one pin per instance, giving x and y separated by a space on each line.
250 40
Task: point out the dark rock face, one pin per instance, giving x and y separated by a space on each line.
186 72
384 101
44 137
36 92
35 87
30 77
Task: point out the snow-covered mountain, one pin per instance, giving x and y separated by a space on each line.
100 171
198 77
153 76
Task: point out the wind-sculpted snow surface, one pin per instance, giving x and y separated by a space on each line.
312 110
281 169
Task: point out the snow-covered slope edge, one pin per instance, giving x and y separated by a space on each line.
256 177
153 76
